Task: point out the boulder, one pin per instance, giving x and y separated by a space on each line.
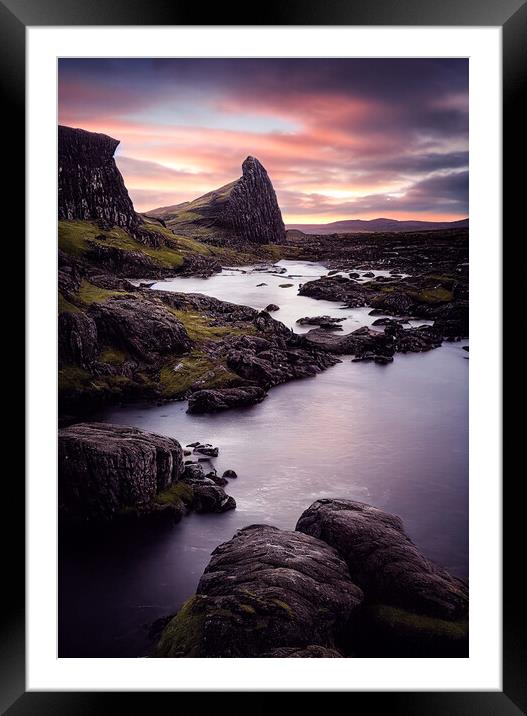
383 560
263 590
212 400
211 498
142 328
104 469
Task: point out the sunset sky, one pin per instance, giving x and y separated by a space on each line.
340 138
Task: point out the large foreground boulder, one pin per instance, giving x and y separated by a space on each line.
104 469
383 560
264 589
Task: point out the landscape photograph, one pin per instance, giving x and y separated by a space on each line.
263 357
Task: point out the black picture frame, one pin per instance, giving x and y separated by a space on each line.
15 16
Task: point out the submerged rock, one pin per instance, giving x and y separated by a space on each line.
264 589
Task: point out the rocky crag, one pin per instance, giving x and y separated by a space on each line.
347 582
90 185
115 473
97 220
245 211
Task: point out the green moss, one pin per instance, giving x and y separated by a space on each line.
65 306
71 377
283 605
247 609
177 378
435 295
88 293
183 634
177 493
418 624
75 235
113 356
201 328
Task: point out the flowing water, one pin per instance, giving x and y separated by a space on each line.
395 436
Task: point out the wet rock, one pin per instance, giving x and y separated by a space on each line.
258 285
285 285
106 468
323 321
272 307
231 474
211 498
207 450
207 401
383 560
193 471
265 589
369 274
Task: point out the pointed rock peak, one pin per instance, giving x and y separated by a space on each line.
251 166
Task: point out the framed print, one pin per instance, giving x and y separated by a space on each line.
256 428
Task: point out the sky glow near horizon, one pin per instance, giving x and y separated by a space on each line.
340 138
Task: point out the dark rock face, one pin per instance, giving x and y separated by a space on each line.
263 590
212 400
144 329
252 209
104 468
90 185
133 264
78 341
383 560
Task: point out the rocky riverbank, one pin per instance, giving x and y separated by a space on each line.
119 474
119 342
347 582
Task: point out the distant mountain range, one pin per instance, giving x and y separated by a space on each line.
374 225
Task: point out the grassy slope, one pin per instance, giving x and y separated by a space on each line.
73 238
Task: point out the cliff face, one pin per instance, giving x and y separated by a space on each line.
252 209
90 185
246 211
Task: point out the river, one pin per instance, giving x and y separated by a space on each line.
395 436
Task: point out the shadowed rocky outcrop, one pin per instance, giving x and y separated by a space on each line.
146 330
106 468
264 589
383 560
90 185
244 211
